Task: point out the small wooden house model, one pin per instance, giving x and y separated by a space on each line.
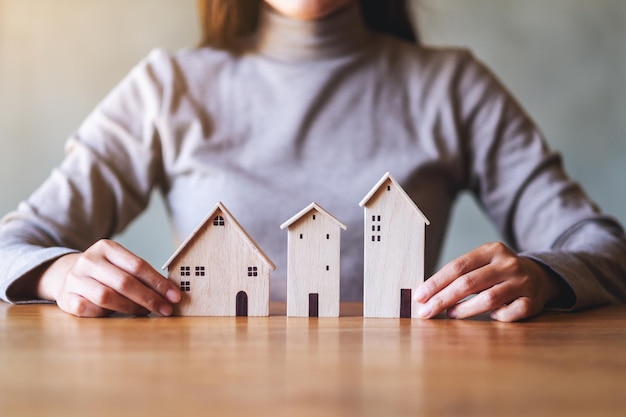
313 272
221 271
394 250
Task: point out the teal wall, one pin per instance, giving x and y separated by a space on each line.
565 60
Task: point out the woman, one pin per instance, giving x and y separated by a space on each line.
290 102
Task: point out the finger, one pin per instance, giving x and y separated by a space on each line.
521 308
128 287
460 266
96 264
141 270
471 283
487 300
80 306
102 296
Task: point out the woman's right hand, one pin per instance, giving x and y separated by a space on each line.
107 278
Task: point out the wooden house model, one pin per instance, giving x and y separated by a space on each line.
221 271
394 250
313 265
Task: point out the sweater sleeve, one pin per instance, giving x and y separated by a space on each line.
112 164
522 186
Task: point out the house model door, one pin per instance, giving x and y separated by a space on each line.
314 305
405 303
242 304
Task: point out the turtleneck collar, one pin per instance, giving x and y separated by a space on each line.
286 39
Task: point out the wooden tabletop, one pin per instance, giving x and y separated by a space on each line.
54 364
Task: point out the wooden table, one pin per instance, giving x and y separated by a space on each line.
54 364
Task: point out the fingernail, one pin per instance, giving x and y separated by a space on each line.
424 311
420 294
165 310
172 296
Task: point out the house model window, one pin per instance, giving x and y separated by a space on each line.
375 228
393 265
221 256
311 293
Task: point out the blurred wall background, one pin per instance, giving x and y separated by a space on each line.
565 60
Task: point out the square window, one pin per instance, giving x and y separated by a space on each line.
253 271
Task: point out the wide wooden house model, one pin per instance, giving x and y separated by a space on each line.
221 271
313 265
394 250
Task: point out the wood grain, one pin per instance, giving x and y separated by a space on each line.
558 364
394 248
313 266
231 266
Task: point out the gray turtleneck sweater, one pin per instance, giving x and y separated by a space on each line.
315 111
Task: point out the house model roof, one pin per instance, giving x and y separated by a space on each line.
380 183
229 217
309 208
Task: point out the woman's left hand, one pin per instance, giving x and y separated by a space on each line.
510 286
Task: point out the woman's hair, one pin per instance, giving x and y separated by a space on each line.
224 22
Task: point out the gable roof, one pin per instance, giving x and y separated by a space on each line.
309 208
209 218
380 183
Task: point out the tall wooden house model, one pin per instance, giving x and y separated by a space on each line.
313 271
221 271
394 250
